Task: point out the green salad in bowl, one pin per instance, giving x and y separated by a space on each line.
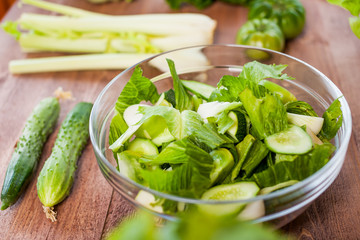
244 147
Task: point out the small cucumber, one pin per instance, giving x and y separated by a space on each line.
293 140
38 127
235 191
57 175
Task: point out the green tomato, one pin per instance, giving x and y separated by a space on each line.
237 2
289 14
262 33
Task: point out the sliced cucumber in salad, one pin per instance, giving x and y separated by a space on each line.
293 140
230 192
143 147
240 127
200 89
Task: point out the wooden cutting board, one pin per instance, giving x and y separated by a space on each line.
93 208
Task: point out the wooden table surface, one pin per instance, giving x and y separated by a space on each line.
93 207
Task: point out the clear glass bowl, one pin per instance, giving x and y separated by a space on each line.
208 64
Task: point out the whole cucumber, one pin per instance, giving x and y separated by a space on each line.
57 175
38 127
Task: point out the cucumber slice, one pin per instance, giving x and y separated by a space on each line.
313 123
293 140
163 137
284 95
129 165
236 191
200 89
143 147
239 129
155 128
148 200
223 163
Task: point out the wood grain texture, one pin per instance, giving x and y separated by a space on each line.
93 208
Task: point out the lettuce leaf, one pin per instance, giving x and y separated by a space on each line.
182 97
251 152
190 174
224 122
137 89
192 125
300 107
298 169
254 157
243 149
117 127
255 72
229 87
267 114
332 121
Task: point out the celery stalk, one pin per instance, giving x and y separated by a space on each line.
79 62
30 21
58 8
44 43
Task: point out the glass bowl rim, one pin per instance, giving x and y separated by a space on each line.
287 190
